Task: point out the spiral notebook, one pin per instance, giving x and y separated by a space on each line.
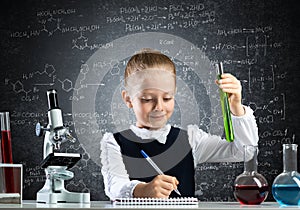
156 201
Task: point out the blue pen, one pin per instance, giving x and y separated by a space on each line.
155 166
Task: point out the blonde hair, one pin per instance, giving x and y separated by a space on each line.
148 58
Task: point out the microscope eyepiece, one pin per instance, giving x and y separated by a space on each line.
52 99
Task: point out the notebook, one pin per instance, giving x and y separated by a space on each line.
156 201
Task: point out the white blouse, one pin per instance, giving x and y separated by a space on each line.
205 148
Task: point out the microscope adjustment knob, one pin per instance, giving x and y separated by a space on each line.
38 129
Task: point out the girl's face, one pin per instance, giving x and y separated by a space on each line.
151 95
153 108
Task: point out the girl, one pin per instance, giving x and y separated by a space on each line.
150 86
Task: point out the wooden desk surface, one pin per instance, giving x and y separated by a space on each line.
103 205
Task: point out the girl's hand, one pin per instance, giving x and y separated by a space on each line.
231 85
160 187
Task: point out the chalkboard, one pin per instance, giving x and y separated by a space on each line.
80 48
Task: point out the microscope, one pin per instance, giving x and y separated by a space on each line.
55 163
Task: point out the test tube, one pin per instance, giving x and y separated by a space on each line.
228 128
6 150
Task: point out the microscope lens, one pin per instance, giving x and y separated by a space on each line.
52 99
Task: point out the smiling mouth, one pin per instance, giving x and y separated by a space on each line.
157 116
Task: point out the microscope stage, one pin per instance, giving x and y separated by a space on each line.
61 159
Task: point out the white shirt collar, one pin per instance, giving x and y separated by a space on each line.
160 135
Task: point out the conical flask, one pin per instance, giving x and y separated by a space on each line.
250 187
286 186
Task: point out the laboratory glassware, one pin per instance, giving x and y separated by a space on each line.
250 187
6 148
6 151
228 128
286 186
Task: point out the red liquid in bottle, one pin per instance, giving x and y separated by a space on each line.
251 194
6 147
6 151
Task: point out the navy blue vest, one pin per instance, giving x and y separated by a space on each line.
174 158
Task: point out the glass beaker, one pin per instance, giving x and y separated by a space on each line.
250 187
286 186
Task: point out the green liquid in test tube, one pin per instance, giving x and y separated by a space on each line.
225 108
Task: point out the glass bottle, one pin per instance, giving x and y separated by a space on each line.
250 187
286 186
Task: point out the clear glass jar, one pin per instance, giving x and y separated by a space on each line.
286 186
250 187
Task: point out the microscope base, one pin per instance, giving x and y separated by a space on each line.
63 197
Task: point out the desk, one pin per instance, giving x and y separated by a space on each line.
103 205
